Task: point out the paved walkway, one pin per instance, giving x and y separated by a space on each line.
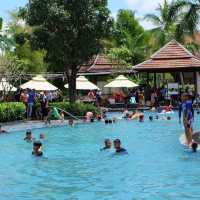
21 126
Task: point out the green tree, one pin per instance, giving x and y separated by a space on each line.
20 33
70 31
6 43
170 22
189 17
130 39
165 28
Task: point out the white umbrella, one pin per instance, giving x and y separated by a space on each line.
121 82
6 86
39 83
82 83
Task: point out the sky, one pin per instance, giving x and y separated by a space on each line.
141 7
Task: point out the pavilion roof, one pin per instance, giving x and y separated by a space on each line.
101 64
172 57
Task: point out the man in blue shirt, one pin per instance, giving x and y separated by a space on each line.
31 100
186 107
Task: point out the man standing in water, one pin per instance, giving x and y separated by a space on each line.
186 108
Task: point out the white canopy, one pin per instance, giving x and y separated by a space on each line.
82 83
6 86
121 82
39 83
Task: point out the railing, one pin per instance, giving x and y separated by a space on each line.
66 112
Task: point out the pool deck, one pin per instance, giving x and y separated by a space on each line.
24 125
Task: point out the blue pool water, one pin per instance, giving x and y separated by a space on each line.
157 167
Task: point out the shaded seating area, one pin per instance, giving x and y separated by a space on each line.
120 97
175 59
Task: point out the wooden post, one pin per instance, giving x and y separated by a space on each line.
154 77
182 79
195 83
147 78
198 82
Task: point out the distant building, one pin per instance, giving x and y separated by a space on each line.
100 68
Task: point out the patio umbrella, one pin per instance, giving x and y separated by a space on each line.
82 83
39 83
6 86
121 82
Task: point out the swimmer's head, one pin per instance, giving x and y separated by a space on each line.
99 117
117 143
92 120
157 117
108 143
114 120
198 112
42 136
150 118
141 118
106 121
71 122
110 121
168 118
28 132
37 145
194 147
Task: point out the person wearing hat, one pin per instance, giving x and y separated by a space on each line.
108 144
118 148
37 148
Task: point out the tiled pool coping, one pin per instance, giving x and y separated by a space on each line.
24 125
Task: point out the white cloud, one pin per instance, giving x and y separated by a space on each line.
143 6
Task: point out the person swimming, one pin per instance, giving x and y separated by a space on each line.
168 118
114 120
141 118
126 114
71 122
194 147
98 117
42 136
156 117
2 130
151 118
29 137
108 144
108 121
118 148
37 149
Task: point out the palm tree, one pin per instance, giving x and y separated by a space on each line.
165 28
189 10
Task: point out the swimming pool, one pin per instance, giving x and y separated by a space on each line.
157 166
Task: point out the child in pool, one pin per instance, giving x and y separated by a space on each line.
29 136
37 148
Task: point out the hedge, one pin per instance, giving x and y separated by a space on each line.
76 109
12 111
16 111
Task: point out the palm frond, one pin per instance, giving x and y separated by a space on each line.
153 18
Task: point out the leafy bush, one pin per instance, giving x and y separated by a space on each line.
77 109
12 112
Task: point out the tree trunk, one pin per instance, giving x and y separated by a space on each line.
72 87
